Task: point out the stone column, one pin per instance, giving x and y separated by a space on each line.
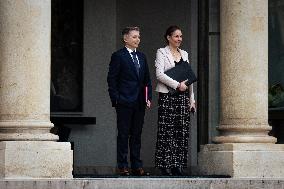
244 72
246 149
28 149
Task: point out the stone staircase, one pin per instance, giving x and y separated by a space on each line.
143 183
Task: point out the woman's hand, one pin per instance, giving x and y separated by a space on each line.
182 87
192 107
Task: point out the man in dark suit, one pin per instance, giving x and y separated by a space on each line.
130 91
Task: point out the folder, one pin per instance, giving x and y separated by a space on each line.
181 72
146 94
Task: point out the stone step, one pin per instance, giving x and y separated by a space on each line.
143 183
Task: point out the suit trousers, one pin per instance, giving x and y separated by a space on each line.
130 121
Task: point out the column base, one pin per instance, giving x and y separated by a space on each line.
251 160
35 159
26 130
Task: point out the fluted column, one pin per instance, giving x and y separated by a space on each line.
25 70
27 148
244 72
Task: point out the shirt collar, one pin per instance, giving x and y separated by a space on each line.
130 50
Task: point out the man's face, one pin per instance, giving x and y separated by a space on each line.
132 39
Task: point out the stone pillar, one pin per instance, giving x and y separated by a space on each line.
244 72
245 149
27 148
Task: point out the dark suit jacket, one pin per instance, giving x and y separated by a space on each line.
124 85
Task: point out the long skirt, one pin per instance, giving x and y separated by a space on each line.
173 130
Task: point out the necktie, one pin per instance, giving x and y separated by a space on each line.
135 60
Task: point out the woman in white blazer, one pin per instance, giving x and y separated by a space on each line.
174 110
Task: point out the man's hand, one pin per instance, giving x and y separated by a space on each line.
148 104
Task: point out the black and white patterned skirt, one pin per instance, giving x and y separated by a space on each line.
173 130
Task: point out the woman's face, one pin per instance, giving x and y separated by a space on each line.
175 39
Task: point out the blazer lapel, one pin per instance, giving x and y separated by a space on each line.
130 61
169 55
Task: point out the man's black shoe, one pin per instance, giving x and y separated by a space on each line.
123 172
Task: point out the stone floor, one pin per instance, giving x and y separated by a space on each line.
143 183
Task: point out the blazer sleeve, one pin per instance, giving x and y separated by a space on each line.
191 93
160 68
112 78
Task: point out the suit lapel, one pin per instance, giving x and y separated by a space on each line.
141 62
130 61
169 55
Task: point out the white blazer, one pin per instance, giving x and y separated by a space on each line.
165 61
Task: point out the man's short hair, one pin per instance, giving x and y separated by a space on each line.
127 30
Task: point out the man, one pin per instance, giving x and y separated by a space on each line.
129 87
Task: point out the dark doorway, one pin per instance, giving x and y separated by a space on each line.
66 55
67 67
276 68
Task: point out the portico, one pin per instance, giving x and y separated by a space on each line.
242 148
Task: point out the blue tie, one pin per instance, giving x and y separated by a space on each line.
135 60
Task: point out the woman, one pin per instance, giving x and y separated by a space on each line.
174 110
